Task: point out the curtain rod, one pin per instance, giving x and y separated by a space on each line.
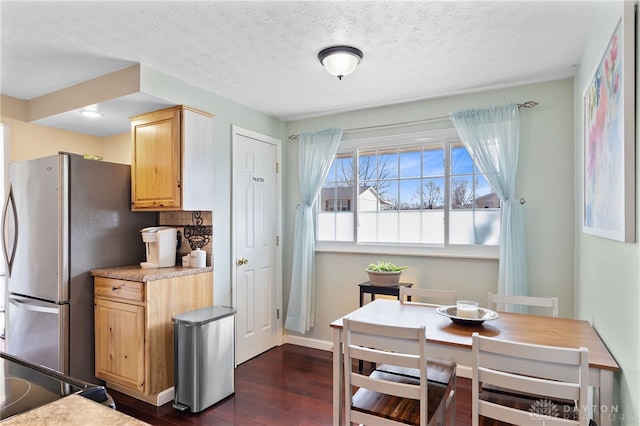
527 104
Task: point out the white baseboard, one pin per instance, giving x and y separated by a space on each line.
309 343
461 370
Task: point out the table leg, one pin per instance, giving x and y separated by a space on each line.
338 373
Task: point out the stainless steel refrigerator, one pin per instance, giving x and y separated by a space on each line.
64 216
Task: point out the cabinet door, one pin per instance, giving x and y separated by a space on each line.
120 343
156 161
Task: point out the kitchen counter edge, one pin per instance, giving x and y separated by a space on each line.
136 273
73 410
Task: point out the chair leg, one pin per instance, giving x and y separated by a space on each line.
453 395
449 405
440 416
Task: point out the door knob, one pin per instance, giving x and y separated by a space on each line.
242 261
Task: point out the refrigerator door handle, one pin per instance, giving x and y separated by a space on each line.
9 255
30 307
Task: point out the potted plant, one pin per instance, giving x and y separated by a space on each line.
384 274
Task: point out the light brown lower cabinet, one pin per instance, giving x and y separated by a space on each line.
134 332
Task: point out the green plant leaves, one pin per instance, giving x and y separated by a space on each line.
384 267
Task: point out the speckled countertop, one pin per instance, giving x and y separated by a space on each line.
136 273
73 410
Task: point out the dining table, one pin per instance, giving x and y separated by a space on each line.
451 341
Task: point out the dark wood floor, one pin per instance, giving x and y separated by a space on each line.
286 386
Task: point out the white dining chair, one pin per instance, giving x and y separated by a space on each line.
498 301
430 296
555 380
384 398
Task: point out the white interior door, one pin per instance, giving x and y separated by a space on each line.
255 215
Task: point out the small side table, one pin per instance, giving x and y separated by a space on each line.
367 288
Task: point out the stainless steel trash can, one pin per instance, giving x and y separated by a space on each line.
203 369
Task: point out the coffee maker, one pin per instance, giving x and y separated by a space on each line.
160 246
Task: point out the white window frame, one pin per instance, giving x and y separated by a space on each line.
401 140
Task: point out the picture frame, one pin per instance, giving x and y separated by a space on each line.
608 108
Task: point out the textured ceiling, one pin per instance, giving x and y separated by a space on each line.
264 54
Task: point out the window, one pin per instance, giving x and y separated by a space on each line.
335 221
422 190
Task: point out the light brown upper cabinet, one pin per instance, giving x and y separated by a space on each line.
172 160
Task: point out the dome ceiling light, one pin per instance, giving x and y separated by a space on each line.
340 60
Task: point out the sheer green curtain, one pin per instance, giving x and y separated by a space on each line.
492 137
316 151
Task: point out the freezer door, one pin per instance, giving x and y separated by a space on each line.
35 228
46 324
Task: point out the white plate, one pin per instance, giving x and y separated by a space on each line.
483 315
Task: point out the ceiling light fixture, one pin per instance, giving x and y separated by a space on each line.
340 60
89 113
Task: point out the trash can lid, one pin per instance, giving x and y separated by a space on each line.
204 315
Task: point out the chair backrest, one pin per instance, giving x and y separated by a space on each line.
429 296
400 346
545 373
498 301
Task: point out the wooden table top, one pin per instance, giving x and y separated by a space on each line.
541 330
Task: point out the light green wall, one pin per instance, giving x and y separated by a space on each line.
607 272
227 113
545 180
31 140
